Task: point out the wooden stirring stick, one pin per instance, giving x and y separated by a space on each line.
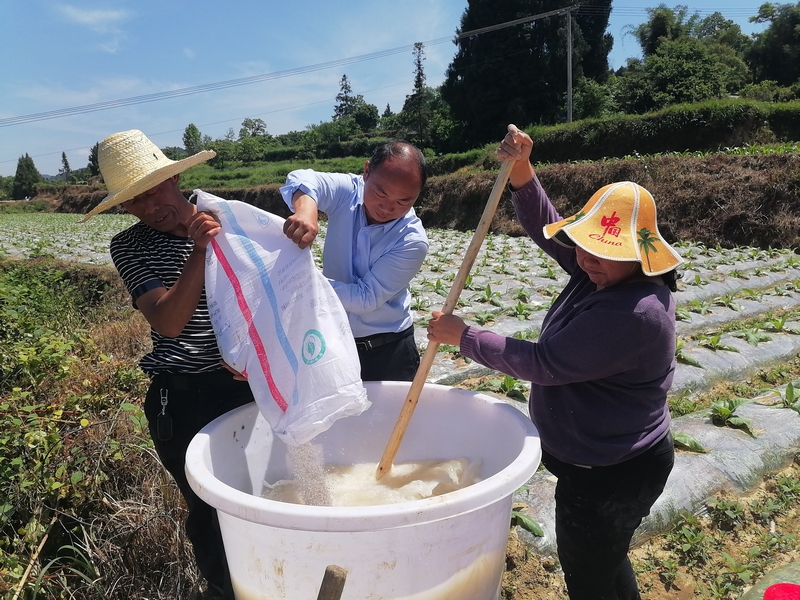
455 291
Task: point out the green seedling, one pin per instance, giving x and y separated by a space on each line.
753 336
779 324
714 342
682 314
789 398
526 522
686 442
488 296
750 294
723 414
700 306
728 301
521 311
698 281
483 317
683 357
508 386
527 334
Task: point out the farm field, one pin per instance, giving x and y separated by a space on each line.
739 336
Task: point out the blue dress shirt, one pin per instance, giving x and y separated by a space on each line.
369 266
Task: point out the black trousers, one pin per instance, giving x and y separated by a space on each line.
395 361
597 512
193 401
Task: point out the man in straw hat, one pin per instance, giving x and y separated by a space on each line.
599 372
374 246
161 259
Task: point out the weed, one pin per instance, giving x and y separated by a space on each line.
726 514
688 540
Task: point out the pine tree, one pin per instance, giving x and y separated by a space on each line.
416 109
25 179
65 170
94 165
344 100
518 74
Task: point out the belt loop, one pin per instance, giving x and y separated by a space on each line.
364 345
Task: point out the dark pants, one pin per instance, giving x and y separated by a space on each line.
193 401
397 360
597 512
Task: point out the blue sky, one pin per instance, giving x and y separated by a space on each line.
59 55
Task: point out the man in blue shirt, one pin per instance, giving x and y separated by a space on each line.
375 244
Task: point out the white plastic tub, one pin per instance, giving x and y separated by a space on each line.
446 547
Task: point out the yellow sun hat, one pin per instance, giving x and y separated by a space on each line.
131 164
618 223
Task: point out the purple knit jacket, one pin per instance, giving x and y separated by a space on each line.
604 361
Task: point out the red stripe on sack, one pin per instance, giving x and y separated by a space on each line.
251 329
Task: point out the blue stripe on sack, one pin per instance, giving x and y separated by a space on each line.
265 281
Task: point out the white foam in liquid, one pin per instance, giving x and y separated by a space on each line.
357 485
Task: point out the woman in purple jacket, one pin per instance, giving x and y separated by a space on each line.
599 372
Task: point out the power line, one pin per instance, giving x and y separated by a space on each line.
158 96
580 9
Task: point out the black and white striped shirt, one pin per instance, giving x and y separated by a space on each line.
147 259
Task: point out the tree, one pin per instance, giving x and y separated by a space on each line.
94 165
722 37
663 24
252 148
252 127
415 116
174 153
345 101
488 85
225 149
350 106
775 54
64 166
25 179
592 100
681 70
366 116
192 139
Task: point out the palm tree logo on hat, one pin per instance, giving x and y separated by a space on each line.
646 243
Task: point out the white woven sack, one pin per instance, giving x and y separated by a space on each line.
279 322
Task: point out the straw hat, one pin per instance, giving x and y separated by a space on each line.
618 223
132 164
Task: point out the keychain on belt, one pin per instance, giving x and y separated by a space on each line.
163 420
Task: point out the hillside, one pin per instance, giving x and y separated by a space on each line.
730 200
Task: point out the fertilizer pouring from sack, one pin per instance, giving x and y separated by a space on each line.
280 324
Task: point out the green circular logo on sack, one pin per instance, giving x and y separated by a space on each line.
313 346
